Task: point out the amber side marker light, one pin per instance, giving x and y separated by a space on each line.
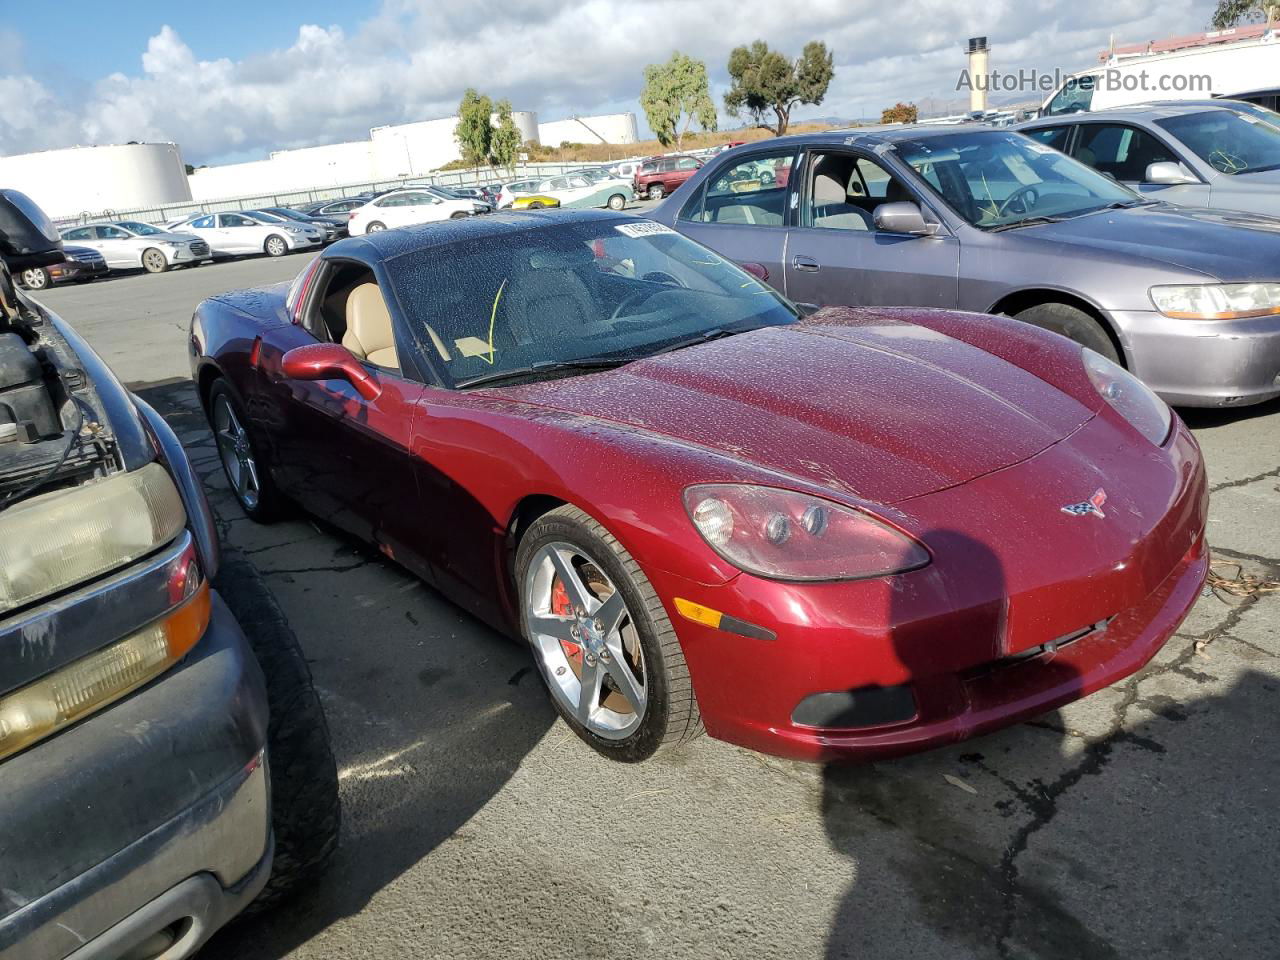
721 621
92 682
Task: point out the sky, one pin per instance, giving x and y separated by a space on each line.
235 80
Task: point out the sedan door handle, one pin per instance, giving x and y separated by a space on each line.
806 264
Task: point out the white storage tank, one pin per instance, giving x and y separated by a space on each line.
95 180
607 128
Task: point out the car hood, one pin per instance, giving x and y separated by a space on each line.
1228 245
879 409
172 236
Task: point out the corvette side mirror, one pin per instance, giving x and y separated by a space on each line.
329 361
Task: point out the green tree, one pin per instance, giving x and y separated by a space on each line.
675 89
504 143
764 81
474 131
1232 13
900 113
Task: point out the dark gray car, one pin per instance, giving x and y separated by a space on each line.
991 221
1216 153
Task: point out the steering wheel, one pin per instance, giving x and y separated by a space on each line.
620 310
658 276
1028 194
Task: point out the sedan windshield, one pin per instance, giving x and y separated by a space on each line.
997 180
1230 142
549 301
141 229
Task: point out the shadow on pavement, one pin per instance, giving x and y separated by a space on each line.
431 712
1165 847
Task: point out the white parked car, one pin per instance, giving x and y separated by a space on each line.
129 244
402 208
236 234
587 188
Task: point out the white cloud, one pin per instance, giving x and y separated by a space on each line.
412 60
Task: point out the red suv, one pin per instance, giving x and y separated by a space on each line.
659 176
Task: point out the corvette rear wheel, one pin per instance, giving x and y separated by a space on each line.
251 483
602 640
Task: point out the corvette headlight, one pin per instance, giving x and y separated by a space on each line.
1218 301
56 540
784 535
1132 398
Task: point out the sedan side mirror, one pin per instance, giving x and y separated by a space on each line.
1167 173
904 217
330 361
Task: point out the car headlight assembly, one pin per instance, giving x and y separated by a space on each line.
1217 301
1130 397
784 535
57 540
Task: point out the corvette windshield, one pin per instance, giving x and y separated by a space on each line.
533 303
999 180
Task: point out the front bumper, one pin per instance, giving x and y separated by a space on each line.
988 634
75 270
1204 363
300 242
157 804
189 254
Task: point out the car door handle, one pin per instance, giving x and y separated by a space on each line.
805 264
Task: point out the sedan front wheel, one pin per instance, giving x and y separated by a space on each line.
34 278
153 261
275 246
602 640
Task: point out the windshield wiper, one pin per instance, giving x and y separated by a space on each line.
1029 222
715 333
547 366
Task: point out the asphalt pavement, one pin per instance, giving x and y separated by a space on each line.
1139 822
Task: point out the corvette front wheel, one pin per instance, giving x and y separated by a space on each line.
602 640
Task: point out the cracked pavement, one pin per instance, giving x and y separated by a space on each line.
1139 822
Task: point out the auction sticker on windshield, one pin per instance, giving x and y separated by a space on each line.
645 229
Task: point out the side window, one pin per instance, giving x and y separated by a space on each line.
111 233
202 223
1075 96
666 166
235 220
844 191
686 163
80 233
751 191
579 182
1121 151
1055 137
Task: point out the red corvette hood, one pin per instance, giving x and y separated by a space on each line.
880 409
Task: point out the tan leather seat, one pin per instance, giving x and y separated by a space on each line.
369 332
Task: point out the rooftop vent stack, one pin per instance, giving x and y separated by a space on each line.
978 74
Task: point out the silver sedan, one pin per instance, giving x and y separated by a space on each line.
130 244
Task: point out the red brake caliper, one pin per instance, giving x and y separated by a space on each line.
562 606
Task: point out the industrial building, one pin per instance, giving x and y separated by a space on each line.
609 128
91 180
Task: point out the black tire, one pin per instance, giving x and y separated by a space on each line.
617 202
275 246
656 191
305 811
34 278
375 227
535 205
154 261
271 503
671 716
1074 324
459 215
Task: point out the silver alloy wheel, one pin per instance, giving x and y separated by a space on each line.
276 246
236 454
591 656
375 227
35 279
153 261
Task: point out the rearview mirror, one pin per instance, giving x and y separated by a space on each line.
1167 173
329 361
903 217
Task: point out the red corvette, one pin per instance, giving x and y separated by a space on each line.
846 535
